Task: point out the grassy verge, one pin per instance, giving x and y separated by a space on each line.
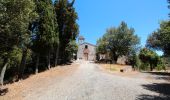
112 67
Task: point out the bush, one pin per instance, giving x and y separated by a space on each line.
149 57
144 66
161 65
134 61
166 61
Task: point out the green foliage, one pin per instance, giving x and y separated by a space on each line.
160 39
119 41
133 59
15 56
14 32
67 25
71 49
102 45
146 55
161 65
29 56
30 28
46 34
144 66
166 60
66 18
150 57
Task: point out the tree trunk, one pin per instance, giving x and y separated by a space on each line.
37 64
3 73
48 60
115 58
23 64
64 56
56 56
151 67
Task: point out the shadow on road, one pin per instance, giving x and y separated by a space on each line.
162 88
152 97
159 75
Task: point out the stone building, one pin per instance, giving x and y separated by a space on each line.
86 51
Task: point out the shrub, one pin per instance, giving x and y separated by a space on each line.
149 57
144 66
134 61
161 65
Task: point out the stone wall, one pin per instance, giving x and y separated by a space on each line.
91 54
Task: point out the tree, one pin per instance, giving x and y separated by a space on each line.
102 45
14 28
133 59
71 49
119 41
14 59
7 38
122 41
45 33
29 29
67 25
27 11
150 57
160 39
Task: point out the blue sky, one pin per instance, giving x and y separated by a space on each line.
95 16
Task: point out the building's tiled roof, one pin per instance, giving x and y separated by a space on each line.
88 44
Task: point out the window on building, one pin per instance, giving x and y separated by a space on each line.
86 46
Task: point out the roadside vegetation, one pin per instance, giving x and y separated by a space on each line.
35 35
122 41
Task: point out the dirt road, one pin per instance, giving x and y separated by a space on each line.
89 82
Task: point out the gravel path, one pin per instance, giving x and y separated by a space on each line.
88 82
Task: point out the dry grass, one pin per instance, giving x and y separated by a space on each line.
115 69
149 76
112 67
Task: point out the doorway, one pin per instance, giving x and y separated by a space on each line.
86 56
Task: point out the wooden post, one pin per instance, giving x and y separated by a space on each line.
110 65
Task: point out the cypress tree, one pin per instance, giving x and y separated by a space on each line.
46 33
68 28
14 34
